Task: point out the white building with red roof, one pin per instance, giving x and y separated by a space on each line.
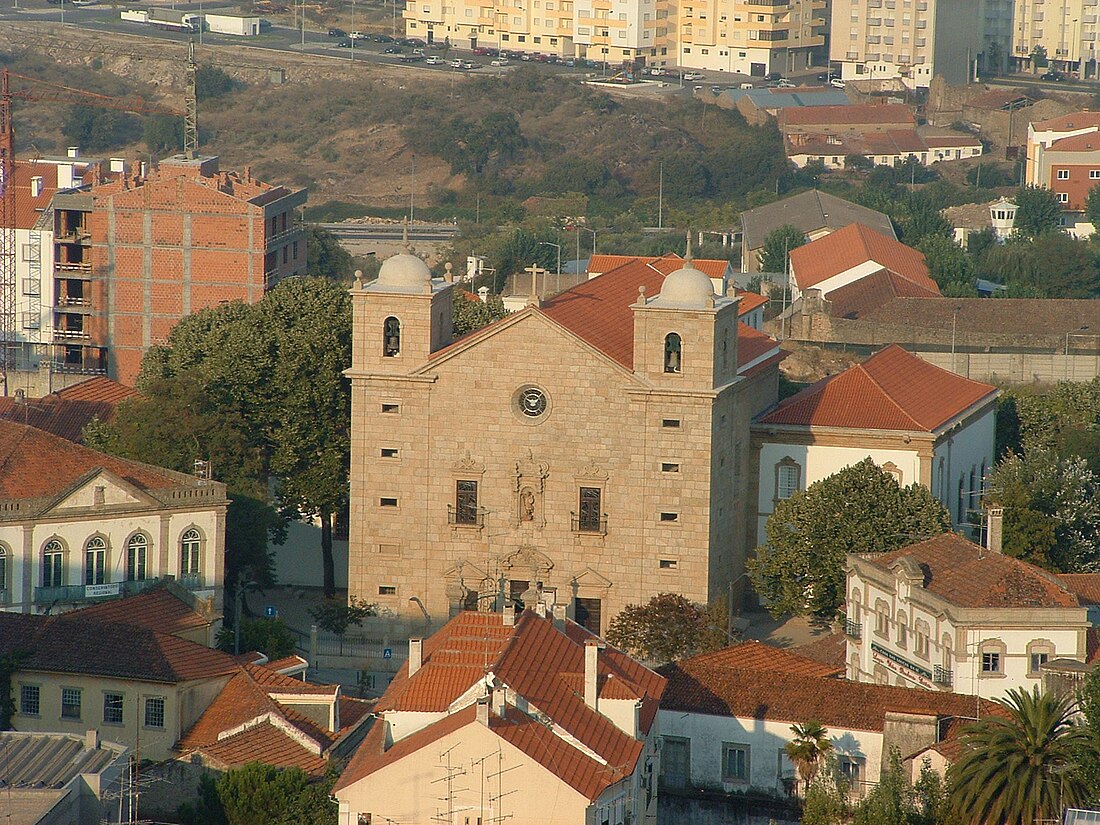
79 526
495 717
950 615
840 267
921 423
595 444
1063 155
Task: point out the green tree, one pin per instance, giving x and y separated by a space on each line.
259 794
892 801
1053 265
808 749
205 808
861 509
163 134
947 262
1051 509
668 627
326 258
471 313
336 617
1038 58
1088 767
1019 768
1092 206
211 82
269 636
778 245
1037 211
94 129
826 798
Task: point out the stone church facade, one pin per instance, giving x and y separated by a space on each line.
588 452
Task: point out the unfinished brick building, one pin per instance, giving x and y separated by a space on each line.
158 246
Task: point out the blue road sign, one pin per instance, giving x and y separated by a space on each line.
271 612
387 653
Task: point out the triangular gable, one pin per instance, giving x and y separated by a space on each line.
82 495
590 577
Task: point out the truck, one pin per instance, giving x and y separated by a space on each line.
239 25
164 18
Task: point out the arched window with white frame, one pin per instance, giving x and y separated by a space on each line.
95 561
53 564
137 556
190 553
5 560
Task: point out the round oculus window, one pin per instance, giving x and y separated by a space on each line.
531 401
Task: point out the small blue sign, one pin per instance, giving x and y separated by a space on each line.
271 612
387 653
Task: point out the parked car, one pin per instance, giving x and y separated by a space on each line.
380 38
570 62
415 41
746 86
481 51
825 77
358 36
456 63
837 83
716 90
391 50
1053 75
343 44
434 61
773 76
500 61
337 33
468 64
690 76
411 58
783 83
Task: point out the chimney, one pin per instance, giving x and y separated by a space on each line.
540 609
91 740
591 672
559 616
118 164
509 614
994 520
36 186
416 655
73 151
483 711
498 698
638 719
483 294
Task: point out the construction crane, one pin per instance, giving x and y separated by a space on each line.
20 87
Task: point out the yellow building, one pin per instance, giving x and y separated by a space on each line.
594 448
749 36
1065 29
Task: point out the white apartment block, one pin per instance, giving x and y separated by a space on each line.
1066 29
912 40
729 35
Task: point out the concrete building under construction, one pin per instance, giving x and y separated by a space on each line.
132 250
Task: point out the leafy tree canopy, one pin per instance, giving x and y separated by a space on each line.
212 82
778 245
326 257
947 262
1092 206
668 627
861 509
471 313
1037 211
94 129
335 616
259 794
1052 265
269 636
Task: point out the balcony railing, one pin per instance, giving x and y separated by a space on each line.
192 581
942 676
589 524
63 367
465 517
72 270
70 334
71 593
853 629
69 301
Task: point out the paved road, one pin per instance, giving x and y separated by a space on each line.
390 232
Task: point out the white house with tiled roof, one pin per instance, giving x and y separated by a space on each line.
499 717
725 718
78 526
923 424
949 615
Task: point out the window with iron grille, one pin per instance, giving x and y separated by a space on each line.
112 708
466 502
70 703
590 512
154 712
29 700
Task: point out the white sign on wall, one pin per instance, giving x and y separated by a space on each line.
92 591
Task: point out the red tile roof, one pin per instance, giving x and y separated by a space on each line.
158 610
665 263
964 574
68 643
1085 585
852 115
262 743
99 388
36 464
1068 123
753 655
67 412
860 297
1089 142
891 390
28 209
829 649
784 697
540 663
851 246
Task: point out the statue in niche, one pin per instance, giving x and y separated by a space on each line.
527 504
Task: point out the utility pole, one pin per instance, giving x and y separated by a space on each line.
303 22
412 182
661 195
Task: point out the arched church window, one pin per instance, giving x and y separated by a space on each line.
391 337
672 352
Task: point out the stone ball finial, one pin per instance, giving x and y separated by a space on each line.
358 279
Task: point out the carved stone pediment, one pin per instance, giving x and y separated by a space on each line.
468 464
593 472
528 559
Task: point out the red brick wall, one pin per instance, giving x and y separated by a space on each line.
1078 184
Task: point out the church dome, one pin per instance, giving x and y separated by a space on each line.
687 287
404 271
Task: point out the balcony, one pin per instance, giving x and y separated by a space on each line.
465 516
942 676
63 270
853 630
78 235
293 229
589 524
67 303
79 593
70 334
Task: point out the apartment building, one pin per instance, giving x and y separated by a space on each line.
910 40
750 36
1065 29
1063 155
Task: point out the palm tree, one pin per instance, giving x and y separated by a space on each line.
808 749
1018 769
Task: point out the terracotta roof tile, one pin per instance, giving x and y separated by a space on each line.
98 388
753 655
851 246
860 297
785 697
829 649
809 212
1068 123
238 702
159 610
67 412
263 743
72 644
603 264
891 390
847 115
37 464
1085 585
28 208
964 574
